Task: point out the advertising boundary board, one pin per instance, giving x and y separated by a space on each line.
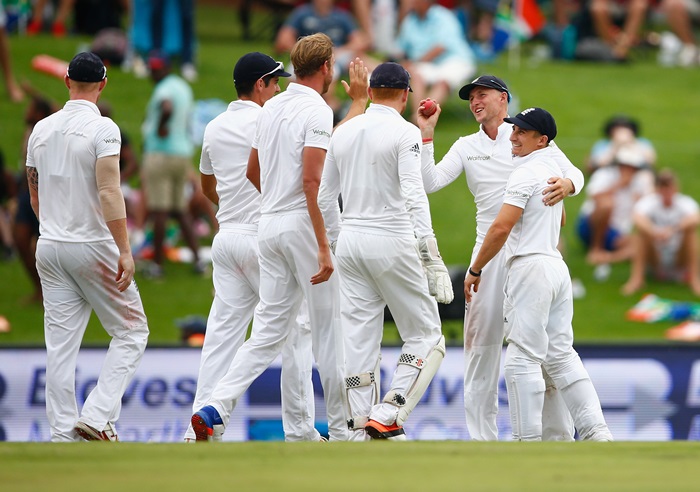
649 393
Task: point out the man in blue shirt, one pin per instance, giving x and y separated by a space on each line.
433 41
349 42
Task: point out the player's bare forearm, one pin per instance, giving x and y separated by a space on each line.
208 182
33 182
253 171
313 159
125 264
559 189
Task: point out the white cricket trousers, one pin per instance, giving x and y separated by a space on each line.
236 277
538 311
77 278
483 344
378 271
288 259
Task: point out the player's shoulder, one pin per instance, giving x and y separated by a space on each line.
104 123
467 141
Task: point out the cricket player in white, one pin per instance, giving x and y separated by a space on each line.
374 163
286 163
485 159
223 165
83 255
538 308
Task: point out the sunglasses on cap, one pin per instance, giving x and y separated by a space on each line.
280 66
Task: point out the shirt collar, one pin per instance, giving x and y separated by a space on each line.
75 104
373 107
296 87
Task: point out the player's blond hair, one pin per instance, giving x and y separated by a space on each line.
310 53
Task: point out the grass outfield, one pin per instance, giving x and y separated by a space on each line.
580 95
351 467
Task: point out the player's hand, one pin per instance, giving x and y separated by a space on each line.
427 123
359 81
439 282
325 266
469 281
559 189
125 271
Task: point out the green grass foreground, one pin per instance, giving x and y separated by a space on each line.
372 466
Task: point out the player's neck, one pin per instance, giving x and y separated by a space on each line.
315 82
85 96
252 98
491 126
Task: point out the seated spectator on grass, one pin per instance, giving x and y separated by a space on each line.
665 241
620 131
679 15
13 89
619 38
349 42
436 51
605 221
58 29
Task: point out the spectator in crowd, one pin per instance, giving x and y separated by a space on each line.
433 41
349 42
13 89
186 15
619 40
620 131
605 221
167 159
8 191
665 241
25 229
65 7
679 15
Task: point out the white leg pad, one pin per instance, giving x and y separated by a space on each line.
355 382
428 367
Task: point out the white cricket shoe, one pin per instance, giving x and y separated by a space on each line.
89 433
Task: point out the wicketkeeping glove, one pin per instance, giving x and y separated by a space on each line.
439 282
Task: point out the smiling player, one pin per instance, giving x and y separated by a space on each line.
538 308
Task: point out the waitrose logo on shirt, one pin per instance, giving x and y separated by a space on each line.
316 131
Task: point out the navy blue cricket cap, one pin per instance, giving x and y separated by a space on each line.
537 119
490 81
87 67
390 75
256 65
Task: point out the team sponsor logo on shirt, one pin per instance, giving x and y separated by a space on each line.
415 148
321 132
517 193
478 157
113 141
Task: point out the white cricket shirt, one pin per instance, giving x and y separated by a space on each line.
682 206
64 148
487 164
290 121
652 206
374 161
225 151
537 231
